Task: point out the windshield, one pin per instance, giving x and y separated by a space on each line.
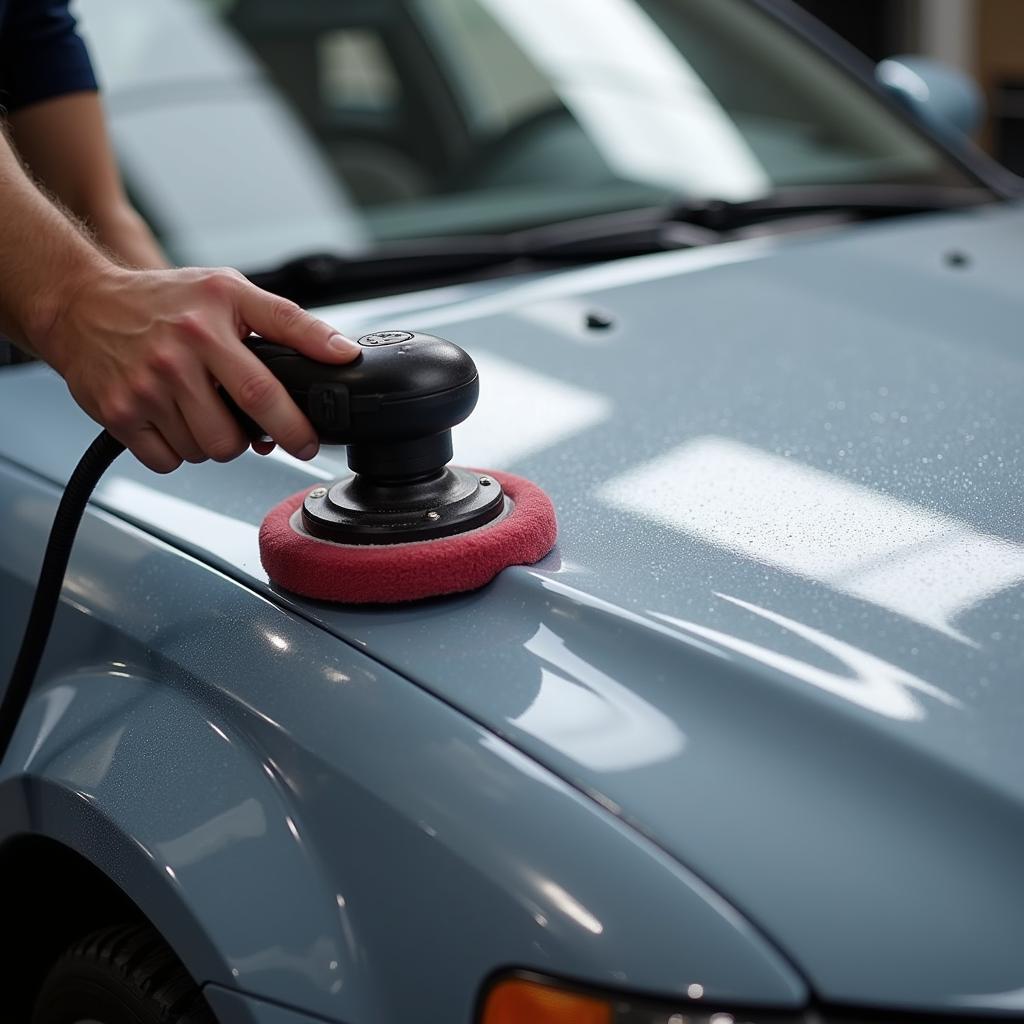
252 131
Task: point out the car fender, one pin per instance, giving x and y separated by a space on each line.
217 869
302 823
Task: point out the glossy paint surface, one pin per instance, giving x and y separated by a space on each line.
304 825
233 1008
781 633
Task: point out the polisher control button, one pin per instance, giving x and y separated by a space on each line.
385 338
328 407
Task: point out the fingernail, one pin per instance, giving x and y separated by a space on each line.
340 343
309 451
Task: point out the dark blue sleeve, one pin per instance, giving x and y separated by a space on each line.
41 54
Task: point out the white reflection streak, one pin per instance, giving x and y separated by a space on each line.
872 683
56 702
899 76
277 641
232 539
219 731
588 49
501 431
1012 1000
607 727
923 565
571 907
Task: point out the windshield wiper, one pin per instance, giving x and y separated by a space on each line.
427 262
325 276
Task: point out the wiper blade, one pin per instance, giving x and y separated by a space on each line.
586 240
861 200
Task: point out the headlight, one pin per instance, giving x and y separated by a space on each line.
526 998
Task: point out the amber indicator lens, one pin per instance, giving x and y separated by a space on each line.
533 999
517 1001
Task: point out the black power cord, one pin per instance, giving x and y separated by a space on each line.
100 454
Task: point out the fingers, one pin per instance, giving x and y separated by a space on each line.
282 321
262 396
216 432
157 345
175 431
152 450
164 444
125 421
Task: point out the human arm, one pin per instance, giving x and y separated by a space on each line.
143 351
64 142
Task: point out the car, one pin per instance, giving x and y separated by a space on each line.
745 746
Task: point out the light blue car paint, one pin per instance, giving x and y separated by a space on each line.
232 1007
307 826
755 723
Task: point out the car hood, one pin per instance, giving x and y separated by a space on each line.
781 631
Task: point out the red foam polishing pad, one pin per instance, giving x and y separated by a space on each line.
389 573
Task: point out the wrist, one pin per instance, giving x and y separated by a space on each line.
49 310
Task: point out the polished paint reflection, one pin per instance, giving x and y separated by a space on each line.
862 679
556 411
909 559
591 717
570 907
246 820
231 538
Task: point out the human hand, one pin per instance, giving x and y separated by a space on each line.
143 352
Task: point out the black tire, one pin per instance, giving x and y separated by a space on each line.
125 974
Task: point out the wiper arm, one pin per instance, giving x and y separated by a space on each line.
322 276
310 277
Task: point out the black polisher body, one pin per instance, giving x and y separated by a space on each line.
394 406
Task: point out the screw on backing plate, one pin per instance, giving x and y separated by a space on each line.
433 516
484 482
318 492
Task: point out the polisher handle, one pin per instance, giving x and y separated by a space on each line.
404 385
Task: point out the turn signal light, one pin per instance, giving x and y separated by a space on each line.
523 997
518 1001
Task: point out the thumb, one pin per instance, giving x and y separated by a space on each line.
281 320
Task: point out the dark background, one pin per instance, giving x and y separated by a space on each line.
876 27
991 45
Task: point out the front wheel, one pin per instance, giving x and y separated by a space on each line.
124 974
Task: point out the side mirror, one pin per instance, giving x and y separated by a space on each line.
937 93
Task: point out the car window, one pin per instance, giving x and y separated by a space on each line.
356 72
496 81
806 121
254 130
